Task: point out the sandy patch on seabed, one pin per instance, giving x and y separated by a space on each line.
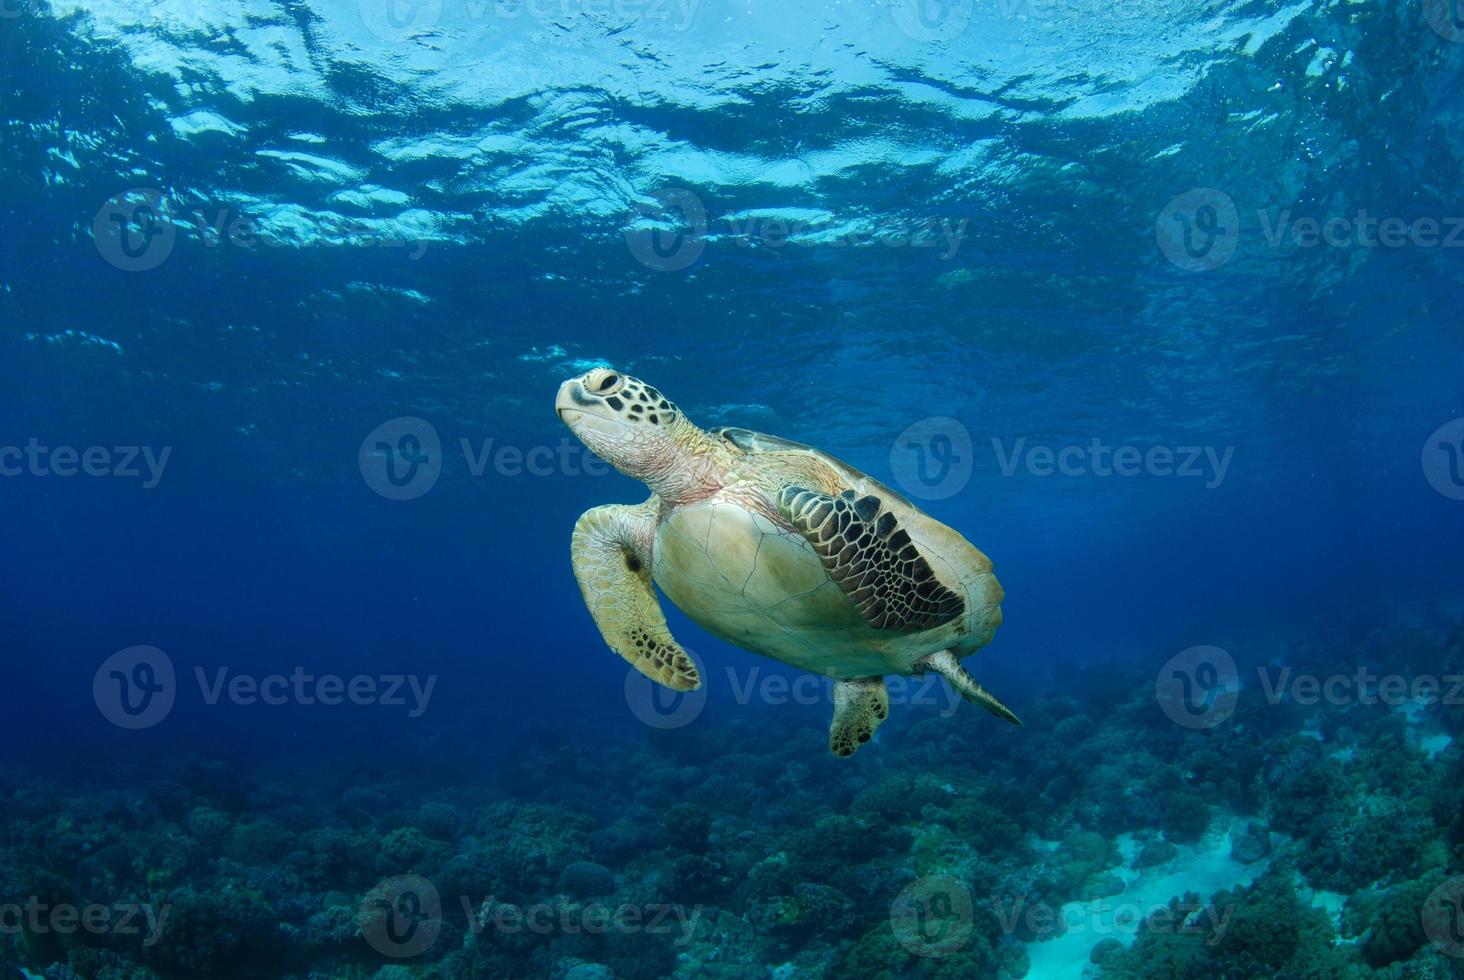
1204 869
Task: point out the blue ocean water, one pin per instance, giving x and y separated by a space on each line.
1157 304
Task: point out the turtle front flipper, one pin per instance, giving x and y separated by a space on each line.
610 551
860 704
863 548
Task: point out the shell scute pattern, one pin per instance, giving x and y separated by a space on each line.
864 549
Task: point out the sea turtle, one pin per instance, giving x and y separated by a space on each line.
775 547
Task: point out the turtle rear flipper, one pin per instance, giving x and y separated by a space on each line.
612 567
946 665
860 704
864 549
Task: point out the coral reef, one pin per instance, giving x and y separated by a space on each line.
1295 840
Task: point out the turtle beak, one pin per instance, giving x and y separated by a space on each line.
587 415
569 404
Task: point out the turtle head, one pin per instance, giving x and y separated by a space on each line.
631 426
608 405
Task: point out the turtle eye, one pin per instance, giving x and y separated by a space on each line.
608 384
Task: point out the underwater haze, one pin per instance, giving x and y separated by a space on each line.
1160 305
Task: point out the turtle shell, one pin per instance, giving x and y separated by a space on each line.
751 573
